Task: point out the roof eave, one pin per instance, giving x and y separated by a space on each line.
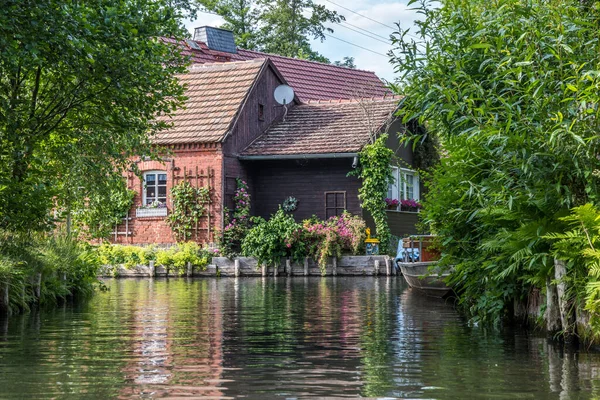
259 157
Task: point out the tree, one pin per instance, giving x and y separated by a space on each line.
347 62
276 26
241 17
510 87
81 85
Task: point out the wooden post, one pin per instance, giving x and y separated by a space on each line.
305 266
152 268
190 270
38 286
276 269
376 269
388 266
236 267
288 267
334 268
552 314
264 270
4 300
566 315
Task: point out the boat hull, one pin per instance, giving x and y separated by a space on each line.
418 276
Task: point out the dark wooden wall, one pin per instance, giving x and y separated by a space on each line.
248 128
306 180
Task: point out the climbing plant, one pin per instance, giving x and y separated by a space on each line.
236 226
376 175
189 205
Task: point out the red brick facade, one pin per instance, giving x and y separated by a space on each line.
204 158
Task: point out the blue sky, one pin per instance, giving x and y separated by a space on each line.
375 44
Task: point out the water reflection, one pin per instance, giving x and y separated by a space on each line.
276 338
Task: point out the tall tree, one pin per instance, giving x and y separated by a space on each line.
288 25
276 26
81 84
241 17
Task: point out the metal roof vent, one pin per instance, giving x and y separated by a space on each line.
216 38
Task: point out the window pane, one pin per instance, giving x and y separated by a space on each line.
162 179
329 199
150 179
410 192
162 200
162 191
150 192
339 200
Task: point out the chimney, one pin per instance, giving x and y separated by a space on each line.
216 38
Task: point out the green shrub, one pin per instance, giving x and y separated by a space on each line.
271 240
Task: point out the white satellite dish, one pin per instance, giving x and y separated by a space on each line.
284 94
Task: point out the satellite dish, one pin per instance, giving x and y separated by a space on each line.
284 94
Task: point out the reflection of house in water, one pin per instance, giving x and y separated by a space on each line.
177 342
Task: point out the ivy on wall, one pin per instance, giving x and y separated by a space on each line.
189 205
376 175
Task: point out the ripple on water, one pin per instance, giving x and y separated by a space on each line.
283 338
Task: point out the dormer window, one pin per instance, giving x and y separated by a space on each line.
261 112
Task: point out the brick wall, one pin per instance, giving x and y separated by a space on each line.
188 158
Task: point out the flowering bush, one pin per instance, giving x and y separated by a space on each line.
238 224
330 238
391 202
411 204
271 240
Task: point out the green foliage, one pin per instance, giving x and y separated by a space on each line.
579 246
67 268
347 62
269 241
97 216
236 228
376 175
81 84
510 88
276 26
189 205
174 258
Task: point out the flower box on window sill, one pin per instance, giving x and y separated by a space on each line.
151 212
409 209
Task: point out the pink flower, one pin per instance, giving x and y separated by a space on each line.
288 245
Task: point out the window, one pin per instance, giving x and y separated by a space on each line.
335 203
405 185
155 187
261 112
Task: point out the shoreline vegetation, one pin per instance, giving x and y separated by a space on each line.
510 89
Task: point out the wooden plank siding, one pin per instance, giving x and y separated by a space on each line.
249 126
307 181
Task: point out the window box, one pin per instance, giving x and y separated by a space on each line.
150 212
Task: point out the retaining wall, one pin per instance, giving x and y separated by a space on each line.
248 266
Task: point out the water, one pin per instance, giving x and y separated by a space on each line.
278 338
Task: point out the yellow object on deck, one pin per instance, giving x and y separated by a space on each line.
371 244
369 239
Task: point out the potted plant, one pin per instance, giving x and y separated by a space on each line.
392 204
410 205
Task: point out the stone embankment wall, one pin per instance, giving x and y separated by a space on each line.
247 266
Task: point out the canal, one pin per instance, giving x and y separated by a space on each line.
278 338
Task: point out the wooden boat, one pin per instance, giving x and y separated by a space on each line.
417 262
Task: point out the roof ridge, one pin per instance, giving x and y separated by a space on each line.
370 99
224 65
303 59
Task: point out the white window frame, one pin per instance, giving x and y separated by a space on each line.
398 189
154 172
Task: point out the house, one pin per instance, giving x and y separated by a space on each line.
232 127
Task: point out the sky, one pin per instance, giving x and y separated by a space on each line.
373 46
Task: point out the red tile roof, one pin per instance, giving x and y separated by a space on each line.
310 80
215 94
325 127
